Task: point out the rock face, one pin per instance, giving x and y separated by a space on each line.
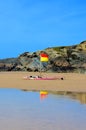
61 59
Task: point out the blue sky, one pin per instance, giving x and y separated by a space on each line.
32 25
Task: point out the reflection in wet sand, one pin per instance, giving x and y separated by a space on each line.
43 94
81 96
23 110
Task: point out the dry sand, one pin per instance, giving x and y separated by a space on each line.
72 81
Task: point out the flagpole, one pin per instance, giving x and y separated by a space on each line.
40 68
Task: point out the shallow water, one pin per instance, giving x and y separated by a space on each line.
23 110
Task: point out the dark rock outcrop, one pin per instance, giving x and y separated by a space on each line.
61 59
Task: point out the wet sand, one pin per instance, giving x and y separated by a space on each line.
73 82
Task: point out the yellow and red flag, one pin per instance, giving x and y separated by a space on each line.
43 57
43 94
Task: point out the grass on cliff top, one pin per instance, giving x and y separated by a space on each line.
59 48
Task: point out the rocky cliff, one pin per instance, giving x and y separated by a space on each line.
61 59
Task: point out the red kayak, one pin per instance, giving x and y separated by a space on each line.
41 78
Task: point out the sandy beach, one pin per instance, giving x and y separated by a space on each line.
72 81
20 110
